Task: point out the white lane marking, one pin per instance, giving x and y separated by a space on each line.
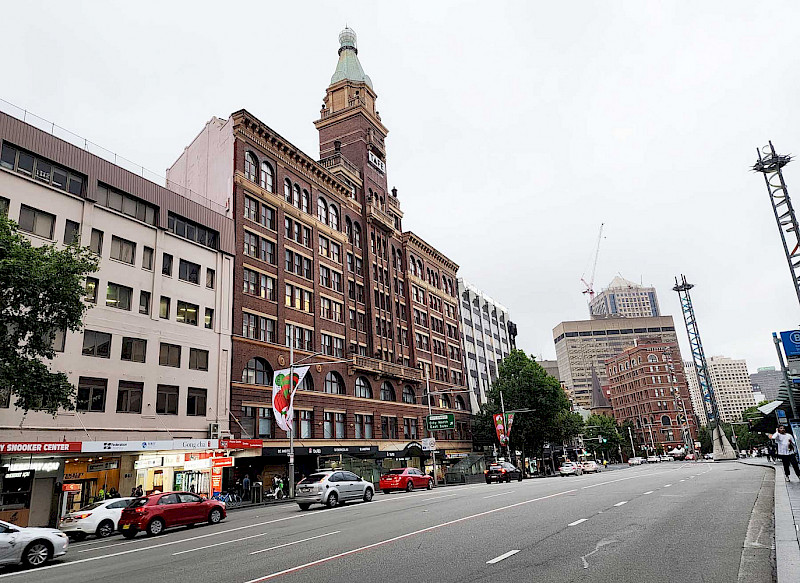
621 503
501 557
683 480
667 485
648 492
235 540
438 497
577 522
648 475
500 494
295 542
403 536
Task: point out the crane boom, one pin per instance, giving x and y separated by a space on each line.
590 284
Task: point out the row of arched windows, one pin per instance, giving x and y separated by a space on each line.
353 231
257 371
265 177
431 276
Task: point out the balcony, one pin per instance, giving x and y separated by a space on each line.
381 217
386 369
332 163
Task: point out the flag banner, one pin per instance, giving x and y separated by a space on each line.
283 389
509 423
500 428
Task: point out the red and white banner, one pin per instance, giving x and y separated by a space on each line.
241 443
500 428
39 446
509 423
222 462
283 390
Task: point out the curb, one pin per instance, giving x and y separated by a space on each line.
787 543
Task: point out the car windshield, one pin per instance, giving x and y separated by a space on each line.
314 478
397 471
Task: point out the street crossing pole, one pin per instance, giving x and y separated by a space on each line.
291 423
430 433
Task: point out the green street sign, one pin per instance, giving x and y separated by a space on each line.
440 422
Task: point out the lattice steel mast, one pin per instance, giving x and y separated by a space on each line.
769 164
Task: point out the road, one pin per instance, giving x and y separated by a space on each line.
670 522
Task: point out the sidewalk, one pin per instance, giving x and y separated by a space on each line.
787 521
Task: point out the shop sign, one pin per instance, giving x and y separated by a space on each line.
240 443
440 422
174 460
197 465
158 445
322 450
102 466
195 443
152 462
452 456
35 466
14 475
39 446
216 480
222 462
70 487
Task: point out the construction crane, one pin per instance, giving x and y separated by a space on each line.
590 284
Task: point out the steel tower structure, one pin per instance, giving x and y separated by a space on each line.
769 164
722 448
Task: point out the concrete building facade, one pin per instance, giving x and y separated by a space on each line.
695 393
581 345
731 383
768 381
625 299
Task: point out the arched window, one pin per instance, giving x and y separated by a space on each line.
322 210
334 218
348 229
334 384
296 196
267 176
363 388
306 201
387 392
287 190
666 421
307 384
446 402
257 371
419 268
409 396
356 235
652 358
250 166
460 406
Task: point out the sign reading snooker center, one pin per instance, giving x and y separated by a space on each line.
440 422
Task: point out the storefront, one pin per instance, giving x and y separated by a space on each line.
88 477
28 495
189 472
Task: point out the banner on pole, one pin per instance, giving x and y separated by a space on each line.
283 389
500 428
509 423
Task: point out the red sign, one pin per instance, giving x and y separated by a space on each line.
39 446
240 443
499 426
216 480
222 462
70 487
509 423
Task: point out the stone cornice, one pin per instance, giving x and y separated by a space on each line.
422 245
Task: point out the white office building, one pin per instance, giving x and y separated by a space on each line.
625 299
732 388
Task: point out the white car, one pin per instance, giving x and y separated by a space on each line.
590 466
570 469
32 547
635 461
653 459
99 518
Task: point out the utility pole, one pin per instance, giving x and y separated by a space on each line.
292 388
786 379
505 422
430 433
633 447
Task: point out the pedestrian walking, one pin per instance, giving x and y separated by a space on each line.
787 450
246 487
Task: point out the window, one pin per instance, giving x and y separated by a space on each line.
409 428
96 344
356 235
36 222
167 399
196 402
409 396
445 402
363 426
91 395
250 242
333 426
460 405
387 392
209 318
163 308
306 419
166 264
4 203
268 217
118 296
267 177
129 397
389 427
59 338
322 210
127 204
268 252
334 384
363 388
210 274
72 232
187 313
96 242
303 337
169 355
250 166
257 421
296 196
251 209
133 349
147 258
192 231
198 359
333 219
188 271
306 204
123 250
91 290
257 372
23 162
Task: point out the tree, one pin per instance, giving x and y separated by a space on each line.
526 385
41 294
603 436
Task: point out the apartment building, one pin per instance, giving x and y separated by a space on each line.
625 299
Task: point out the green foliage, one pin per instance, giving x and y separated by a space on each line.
526 385
602 426
41 292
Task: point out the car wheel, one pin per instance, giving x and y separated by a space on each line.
214 516
304 506
409 486
430 485
37 554
488 481
519 479
130 533
105 529
368 495
332 501
155 527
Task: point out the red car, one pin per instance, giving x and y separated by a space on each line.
156 512
405 479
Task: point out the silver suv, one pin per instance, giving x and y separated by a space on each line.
332 487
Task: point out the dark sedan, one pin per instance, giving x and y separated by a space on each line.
502 472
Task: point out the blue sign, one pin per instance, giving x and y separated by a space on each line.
791 343
781 415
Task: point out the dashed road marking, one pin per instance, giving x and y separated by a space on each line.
621 503
501 557
296 542
577 522
648 492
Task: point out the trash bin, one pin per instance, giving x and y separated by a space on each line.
257 492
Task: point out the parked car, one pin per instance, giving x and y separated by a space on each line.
690 457
32 547
332 487
570 469
653 459
502 472
591 466
152 514
708 456
666 458
635 461
100 518
404 479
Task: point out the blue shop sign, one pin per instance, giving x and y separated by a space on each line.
791 342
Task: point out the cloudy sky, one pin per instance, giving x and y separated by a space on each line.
516 128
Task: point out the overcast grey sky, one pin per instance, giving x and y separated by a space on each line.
516 128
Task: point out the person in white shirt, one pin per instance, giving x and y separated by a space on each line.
787 450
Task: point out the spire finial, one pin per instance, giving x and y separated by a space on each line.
347 39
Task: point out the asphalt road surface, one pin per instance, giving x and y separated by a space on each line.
667 522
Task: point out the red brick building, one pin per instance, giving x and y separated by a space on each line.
649 389
322 261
